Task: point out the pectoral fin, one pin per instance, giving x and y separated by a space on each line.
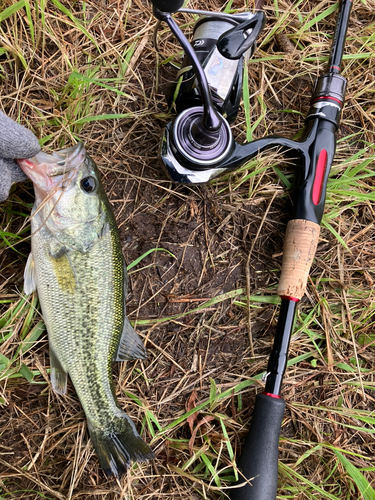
59 377
29 275
130 346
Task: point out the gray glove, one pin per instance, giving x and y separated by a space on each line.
15 142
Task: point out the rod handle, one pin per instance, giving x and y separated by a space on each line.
301 240
259 457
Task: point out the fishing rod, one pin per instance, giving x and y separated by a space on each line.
198 145
259 459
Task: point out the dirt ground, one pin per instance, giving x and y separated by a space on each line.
211 239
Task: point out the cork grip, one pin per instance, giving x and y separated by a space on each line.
301 240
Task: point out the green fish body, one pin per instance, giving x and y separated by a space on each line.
77 267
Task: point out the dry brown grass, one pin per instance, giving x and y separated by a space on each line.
329 389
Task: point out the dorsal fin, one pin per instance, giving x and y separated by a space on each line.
130 346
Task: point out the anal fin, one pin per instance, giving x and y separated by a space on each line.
59 377
130 345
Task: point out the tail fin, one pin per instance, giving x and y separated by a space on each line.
118 445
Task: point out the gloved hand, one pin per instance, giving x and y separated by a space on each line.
15 142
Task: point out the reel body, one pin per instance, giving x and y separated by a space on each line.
224 75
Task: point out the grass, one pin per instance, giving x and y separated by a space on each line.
88 71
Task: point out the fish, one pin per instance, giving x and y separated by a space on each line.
77 267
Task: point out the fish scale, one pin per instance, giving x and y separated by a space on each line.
77 267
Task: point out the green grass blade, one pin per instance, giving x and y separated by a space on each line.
361 482
77 77
246 102
318 18
87 119
137 261
265 299
11 10
326 224
316 490
32 338
77 23
4 362
30 20
211 468
26 372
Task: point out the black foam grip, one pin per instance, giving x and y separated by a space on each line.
259 458
167 5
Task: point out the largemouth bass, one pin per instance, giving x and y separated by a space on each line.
77 267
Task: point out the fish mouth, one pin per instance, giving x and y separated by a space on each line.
56 164
50 172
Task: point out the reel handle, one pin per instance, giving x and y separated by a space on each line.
167 5
235 42
211 120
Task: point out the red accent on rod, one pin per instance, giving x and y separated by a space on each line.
328 97
336 67
271 395
319 177
286 297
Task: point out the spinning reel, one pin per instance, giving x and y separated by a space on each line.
208 91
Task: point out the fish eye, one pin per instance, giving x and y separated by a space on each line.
88 184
